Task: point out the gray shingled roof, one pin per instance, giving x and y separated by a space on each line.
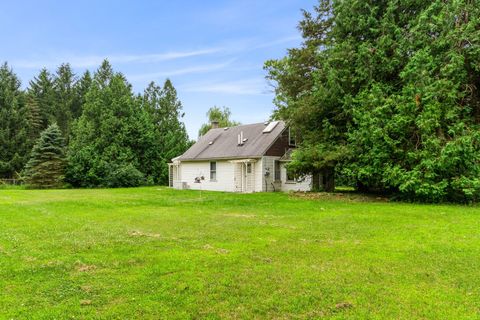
224 143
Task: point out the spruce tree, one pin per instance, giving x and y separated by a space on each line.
34 119
45 169
42 89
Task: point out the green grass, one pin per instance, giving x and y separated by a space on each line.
155 253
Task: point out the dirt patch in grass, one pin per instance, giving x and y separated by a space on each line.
217 250
137 233
81 267
236 215
342 196
85 302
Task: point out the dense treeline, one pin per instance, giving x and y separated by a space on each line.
386 95
88 131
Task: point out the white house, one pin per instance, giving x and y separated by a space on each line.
246 158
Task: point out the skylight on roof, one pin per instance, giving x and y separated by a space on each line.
270 127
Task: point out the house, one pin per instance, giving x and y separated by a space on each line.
245 158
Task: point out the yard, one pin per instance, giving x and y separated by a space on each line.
156 253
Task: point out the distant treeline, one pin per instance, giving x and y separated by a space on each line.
88 131
386 96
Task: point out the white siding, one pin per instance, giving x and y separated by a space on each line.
224 182
305 185
259 175
269 183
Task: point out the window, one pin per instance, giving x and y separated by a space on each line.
291 176
249 168
291 138
276 173
213 171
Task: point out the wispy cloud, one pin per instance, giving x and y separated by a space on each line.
240 87
181 71
95 60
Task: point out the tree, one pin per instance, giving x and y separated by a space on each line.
42 89
387 93
112 140
65 98
171 137
220 115
81 88
13 124
34 119
45 169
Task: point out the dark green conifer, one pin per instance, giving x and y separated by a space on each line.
45 169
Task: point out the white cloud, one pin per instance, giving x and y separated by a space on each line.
95 60
241 87
182 71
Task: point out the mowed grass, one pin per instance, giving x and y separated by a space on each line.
156 253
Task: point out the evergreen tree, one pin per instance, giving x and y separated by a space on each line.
42 89
13 124
45 169
81 88
65 98
34 119
112 139
171 138
387 93
221 115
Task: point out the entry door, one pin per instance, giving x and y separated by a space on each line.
238 177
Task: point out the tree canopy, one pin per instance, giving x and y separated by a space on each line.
46 166
386 93
113 137
220 115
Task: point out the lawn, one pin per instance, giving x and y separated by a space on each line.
156 253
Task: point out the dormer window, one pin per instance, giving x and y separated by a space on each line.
291 138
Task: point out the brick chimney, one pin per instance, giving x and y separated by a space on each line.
215 124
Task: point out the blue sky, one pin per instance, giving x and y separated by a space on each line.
213 51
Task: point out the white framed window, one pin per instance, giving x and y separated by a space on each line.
291 176
213 171
276 171
291 138
249 168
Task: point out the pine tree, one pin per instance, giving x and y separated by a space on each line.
45 169
34 119
42 89
64 88
13 124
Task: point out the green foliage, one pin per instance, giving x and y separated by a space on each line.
66 103
45 169
14 144
221 115
388 93
113 134
42 89
171 139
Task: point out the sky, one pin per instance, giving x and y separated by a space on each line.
213 51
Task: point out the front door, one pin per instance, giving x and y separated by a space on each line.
244 176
